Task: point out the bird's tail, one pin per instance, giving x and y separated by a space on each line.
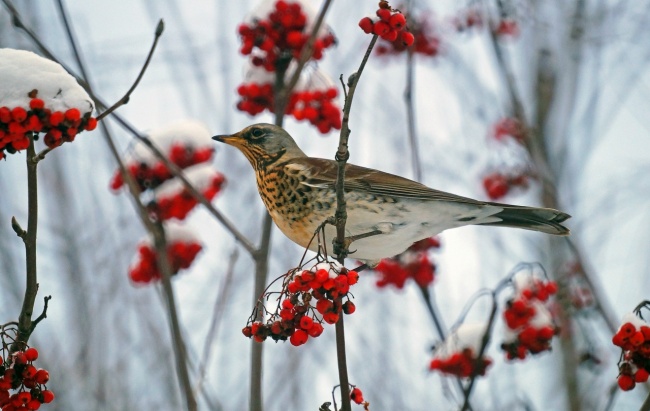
546 220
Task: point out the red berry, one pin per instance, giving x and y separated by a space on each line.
306 323
42 376
299 337
19 114
407 38
315 330
356 395
56 118
381 28
36 104
349 307
626 382
331 317
390 36
5 115
48 396
496 186
247 331
397 21
33 404
73 115
384 14
91 124
20 358
30 371
641 375
366 25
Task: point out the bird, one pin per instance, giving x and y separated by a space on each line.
386 213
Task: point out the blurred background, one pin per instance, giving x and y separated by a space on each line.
580 69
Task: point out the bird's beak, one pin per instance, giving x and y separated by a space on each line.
232 140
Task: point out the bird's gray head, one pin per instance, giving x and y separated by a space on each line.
263 144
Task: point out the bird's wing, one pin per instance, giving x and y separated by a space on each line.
322 173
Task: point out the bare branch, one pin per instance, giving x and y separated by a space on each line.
125 99
173 169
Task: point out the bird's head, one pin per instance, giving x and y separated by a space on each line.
263 144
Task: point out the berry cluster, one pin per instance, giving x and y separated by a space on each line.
183 154
391 25
317 107
425 41
498 184
314 105
280 36
509 127
463 364
18 125
468 19
529 323
18 374
458 354
308 298
413 263
507 27
633 337
173 200
181 254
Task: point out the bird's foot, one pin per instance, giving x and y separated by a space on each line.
342 249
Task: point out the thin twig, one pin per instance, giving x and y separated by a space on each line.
646 404
173 169
43 315
125 99
410 116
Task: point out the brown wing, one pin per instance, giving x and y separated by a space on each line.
322 173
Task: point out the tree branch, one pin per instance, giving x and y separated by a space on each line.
173 169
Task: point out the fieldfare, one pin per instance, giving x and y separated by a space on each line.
299 194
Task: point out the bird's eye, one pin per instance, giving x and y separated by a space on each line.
257 132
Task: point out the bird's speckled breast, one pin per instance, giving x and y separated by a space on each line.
297 209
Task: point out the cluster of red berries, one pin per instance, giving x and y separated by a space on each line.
18 125
181 254
356 395
425 42
498 184
507 27
315 106
182 154
509 127
281 36
634 339
178 203
311 297
463 364
391 25
413 263
255 98
17 373
468 19
528 320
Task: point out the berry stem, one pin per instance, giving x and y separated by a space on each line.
342 364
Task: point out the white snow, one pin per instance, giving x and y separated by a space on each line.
23 71
632 318
199 175
189 132
174 232
469 335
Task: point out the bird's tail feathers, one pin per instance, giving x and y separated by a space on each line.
545 220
